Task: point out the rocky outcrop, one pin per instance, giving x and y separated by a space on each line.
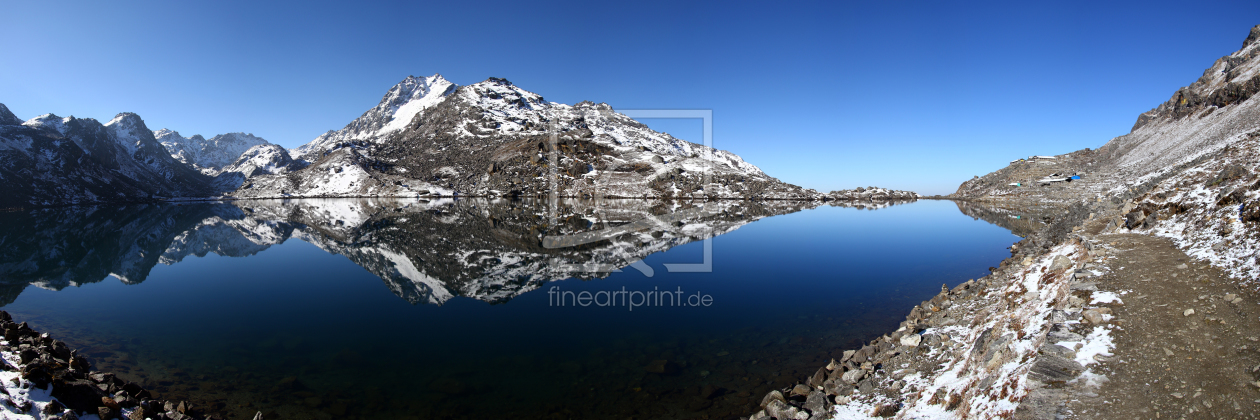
1231 80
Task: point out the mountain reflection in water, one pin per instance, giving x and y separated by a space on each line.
425 251
299 330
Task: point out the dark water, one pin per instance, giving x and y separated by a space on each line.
405 309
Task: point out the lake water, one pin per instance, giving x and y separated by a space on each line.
314 309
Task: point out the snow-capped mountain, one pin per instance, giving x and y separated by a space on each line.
230 158
429 137
208 156
262 159
50 160
399 106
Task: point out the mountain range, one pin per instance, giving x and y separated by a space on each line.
428 137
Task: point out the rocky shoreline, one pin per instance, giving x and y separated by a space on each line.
42 378
982 343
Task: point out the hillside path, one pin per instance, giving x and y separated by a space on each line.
1167 364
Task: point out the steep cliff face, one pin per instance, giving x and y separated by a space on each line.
428 137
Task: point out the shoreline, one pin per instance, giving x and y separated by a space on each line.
990 343
1088 315
42 378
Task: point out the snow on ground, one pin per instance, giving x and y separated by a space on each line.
19 393
990 381
1210 226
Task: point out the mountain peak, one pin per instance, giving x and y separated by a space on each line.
165 132
49 122
400 105
498 81
127 121
1253 37
7 117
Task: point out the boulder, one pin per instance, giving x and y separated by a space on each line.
1054 369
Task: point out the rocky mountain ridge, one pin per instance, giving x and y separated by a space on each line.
495 139
208 156
50 160
429 137
229 158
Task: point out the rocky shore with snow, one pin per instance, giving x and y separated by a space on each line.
42 378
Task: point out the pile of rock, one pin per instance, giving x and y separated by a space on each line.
74 390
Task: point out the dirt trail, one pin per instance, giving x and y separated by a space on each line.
1167 364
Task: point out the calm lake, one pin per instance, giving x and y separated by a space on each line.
322 309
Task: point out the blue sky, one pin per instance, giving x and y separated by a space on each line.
829 95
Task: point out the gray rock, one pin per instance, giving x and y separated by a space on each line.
1057 350
837 388
106 413
853 376
1093 316
1061 263
1054 369
816 402
781 410
801 390
819 377
771 397
911 340
1058 335
866 386
1088 286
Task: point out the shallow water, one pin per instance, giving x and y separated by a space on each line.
451 309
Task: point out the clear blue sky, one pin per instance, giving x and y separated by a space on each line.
829 95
